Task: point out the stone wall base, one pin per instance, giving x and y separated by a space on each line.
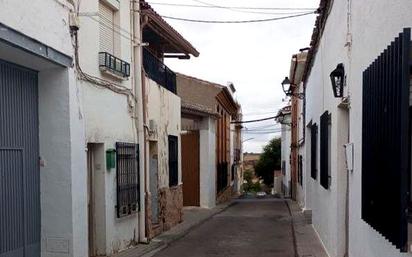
225 195
170 210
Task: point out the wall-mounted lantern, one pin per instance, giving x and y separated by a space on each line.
337 76
289 91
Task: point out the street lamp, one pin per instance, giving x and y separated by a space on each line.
289 91
337 76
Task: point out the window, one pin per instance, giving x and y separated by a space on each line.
300 170
313 150
284 168
222 174
108 35
325 177
386 142
127 178
173 161
233 171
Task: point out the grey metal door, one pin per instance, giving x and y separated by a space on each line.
154 188
19 163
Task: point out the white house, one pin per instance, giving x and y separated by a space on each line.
284 119
211 146
110 92
41 133
162 120
359 197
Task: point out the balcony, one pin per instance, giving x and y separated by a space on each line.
159 72
114 65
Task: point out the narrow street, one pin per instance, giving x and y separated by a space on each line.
250 227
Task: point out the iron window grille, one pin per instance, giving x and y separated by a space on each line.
386 142
324 150
222 173
114 64
233 172
300 170
173 161
313 151
159 72
127 178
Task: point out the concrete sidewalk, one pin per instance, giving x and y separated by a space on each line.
306 239
192 217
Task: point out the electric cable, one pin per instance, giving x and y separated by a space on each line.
234 7
250 121
237 21
244 11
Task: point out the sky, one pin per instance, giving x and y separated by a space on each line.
255 57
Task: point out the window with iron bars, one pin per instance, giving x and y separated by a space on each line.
222 173
127 178
173 161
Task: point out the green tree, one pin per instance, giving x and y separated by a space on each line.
269 161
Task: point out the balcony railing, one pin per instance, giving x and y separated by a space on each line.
159 72
114 65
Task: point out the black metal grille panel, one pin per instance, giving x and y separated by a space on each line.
385 141
324 150
313 150
127 174
173 161
300 170
222 173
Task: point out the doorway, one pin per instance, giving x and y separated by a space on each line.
190 168
19 162
90 198
154 182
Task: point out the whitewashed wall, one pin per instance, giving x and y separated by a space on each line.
373 26
285 151
328 216
207 132
164 109
61 129
108 119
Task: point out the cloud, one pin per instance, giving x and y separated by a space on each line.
255 57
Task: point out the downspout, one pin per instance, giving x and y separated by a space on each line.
145 128
294 136
139 120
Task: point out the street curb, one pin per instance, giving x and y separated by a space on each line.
165 244
292 224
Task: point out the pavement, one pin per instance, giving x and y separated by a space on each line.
192 218
242 228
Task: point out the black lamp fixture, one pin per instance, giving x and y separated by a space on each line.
337 76
289 91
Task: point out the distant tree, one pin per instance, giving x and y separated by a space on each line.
269 161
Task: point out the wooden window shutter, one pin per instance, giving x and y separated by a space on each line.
385 142
324 150
107 29
313 150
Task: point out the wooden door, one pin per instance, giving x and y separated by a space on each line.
190 169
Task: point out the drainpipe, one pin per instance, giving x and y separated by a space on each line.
294 134
139 119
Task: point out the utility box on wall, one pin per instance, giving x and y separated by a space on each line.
110 159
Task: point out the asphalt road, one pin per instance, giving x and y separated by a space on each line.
249 228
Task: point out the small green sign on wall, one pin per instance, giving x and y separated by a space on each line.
110 159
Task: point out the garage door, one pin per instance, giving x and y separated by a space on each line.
19 162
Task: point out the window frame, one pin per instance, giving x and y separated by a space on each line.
173 160
127 179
